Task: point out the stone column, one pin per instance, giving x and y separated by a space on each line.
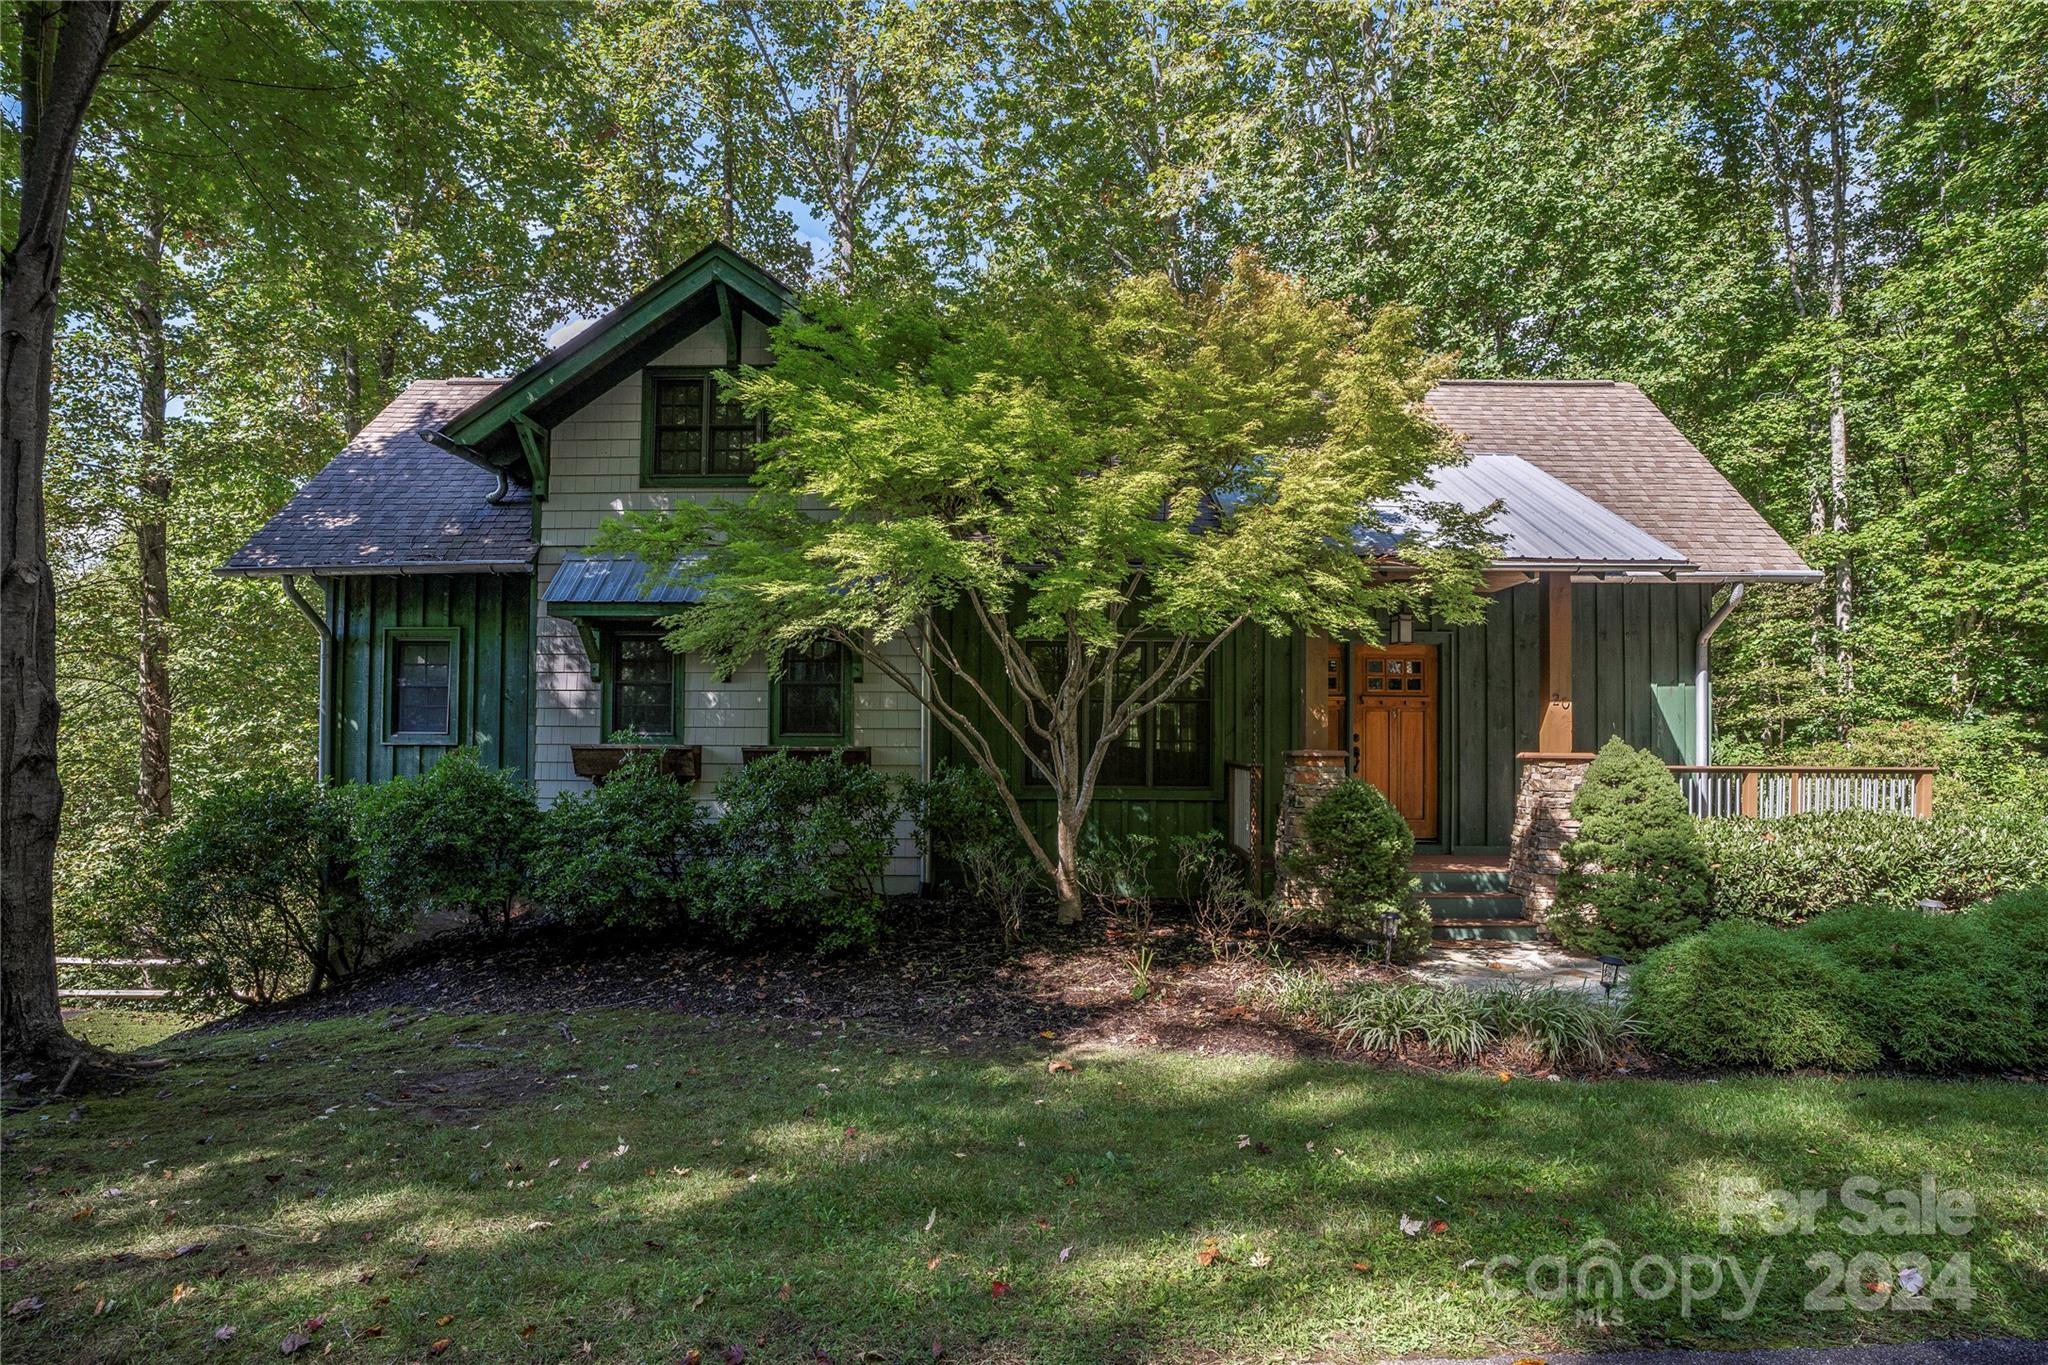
1543 826
1306 776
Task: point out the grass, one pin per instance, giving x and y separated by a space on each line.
653 1183
126 1030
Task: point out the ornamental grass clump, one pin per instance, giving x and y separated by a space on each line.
1635 876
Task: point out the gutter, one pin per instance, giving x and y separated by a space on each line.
324 762
411 568
1702 681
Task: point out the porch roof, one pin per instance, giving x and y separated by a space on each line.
1539 522
615 585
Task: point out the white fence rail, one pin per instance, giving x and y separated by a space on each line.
1767 793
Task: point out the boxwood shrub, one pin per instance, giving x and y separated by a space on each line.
1854 988
1785 871
1356 847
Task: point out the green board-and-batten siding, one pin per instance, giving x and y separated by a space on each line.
1632 649
1632 659
493 617
1256 713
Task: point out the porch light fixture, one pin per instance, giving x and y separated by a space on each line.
1404 629
1390 925
1610 973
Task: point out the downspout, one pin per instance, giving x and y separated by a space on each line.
291 590
1702 695
504 489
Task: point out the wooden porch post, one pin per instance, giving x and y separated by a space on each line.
1554 733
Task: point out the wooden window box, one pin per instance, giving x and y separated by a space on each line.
853 756
598 761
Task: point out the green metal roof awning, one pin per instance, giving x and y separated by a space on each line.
617 586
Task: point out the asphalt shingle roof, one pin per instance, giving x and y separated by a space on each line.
1610 442
391 501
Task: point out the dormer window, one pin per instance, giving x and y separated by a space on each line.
689 435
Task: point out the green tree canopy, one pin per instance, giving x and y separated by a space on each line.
1067 473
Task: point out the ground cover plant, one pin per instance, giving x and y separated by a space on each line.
1856 987
637 1185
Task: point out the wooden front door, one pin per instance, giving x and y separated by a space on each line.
1393 728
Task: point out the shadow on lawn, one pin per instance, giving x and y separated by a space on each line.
789 1192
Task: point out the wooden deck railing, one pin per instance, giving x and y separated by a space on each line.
1767 792
149 990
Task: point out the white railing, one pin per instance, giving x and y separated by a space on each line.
1766 793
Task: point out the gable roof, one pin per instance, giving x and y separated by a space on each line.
1607 440
391 502
1542 523
716 283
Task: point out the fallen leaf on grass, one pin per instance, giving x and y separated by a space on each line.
1065 1252
932 1221
190 1248
83 1214
1439 1226
1209 1255
293 1343
1911 1280
25 1308
1259 1260
1362 1267
444 1320
375 1329
526 1332
180 1292
99 1308
1056 1065
226 1332
784 1292
1411 1227
441 1344
1507 1076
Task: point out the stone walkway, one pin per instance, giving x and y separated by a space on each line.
1503 964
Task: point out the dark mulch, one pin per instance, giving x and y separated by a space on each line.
941 975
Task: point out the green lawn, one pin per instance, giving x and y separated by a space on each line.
660 1183
126 1030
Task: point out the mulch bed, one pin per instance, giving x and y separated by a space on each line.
941 975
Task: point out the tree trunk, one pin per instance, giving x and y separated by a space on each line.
1066 881
152 536
64 50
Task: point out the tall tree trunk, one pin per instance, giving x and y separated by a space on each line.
1839 155
152 534
64 51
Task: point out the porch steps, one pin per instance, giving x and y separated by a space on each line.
1470 901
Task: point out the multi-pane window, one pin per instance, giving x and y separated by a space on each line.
642 683
692 434
811 695
1168 746
422 686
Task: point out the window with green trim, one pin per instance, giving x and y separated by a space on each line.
812 701
423 672
641 687
1172 745
689 434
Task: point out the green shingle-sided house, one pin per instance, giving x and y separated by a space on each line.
443 558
